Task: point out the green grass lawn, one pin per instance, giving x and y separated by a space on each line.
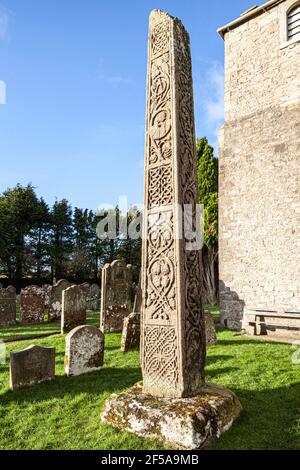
18 332
65 413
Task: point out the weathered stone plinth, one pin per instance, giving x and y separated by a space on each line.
183 423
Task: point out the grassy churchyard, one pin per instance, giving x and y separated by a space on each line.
65 413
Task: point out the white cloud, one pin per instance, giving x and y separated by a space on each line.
4 19
214 105
2 92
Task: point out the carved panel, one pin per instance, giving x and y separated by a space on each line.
160 112
160 37
160 187
160 290
160 357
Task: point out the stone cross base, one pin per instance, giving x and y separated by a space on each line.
185 423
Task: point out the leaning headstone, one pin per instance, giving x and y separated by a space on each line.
115 295
210 329
174 404
132 325
73 308
31 366
84 350
32 305
7 306
55 302
131 332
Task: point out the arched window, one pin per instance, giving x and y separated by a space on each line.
293 23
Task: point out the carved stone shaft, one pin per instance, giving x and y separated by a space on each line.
173 334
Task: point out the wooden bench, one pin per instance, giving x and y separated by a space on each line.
259 322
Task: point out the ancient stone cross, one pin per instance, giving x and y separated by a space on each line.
173 333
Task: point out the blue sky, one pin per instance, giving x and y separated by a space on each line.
75 74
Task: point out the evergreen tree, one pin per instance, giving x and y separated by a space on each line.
130 248
61 236
207 171
83 258
39 240
19 208
81 228
208 196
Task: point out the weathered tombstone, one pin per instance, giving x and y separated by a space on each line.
94 300
137 306
73 308
210 329
87 292
87 288
131 332
115 295
31 366
32 305
55 302
174 404
84 350
47 289
132 325
7 306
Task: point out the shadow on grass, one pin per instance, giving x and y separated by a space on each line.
113 348
270 420
103 382
32 328
245 341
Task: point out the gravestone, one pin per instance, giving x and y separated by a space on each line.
131 332
47 290
137 306
87 289
116 293
84 350
73 308
174 404
7 306
210 329
32 305
31 366
55 302
132 325
94 300
87 292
